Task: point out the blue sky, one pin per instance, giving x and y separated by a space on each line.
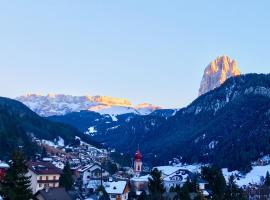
146 51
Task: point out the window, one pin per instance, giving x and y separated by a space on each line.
138 168
40 178
54 177
47 177
40 185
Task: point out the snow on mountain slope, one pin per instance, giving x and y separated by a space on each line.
146 108
60 104
117 110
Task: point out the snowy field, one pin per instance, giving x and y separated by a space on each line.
253 177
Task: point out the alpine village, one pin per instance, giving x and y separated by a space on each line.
90 154
134 100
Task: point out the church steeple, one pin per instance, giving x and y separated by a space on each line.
138 162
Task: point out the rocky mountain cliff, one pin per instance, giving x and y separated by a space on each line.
60 104
217 72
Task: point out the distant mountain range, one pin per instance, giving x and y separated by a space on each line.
60 104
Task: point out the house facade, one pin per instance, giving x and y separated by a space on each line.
117 190
175 179
43 175
94 173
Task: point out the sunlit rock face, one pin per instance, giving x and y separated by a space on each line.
60 104
217 72
146 108
111 101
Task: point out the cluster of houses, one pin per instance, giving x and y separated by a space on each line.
45 175
89 174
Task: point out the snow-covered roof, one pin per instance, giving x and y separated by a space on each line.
141 178
4 165
88 167
116 187
167 170
205 193
195 168
47 159
59 165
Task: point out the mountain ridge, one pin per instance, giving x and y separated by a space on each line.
18 126
60 104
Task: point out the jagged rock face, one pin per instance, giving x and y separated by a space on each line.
217 72
60 104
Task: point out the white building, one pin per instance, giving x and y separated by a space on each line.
117 190
140 183
93 172
175 179
43 175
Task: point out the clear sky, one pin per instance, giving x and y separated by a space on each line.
147 51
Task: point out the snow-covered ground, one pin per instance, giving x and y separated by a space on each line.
167 170
58 142
91 130
49 143
253 177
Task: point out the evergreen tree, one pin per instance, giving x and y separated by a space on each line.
66 179
199 196
143 196
184 192
156 187
192 185
103 195
216 181
16 184
267 179
132 195
233 192
44 153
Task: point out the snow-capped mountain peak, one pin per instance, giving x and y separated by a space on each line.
146 108
60 104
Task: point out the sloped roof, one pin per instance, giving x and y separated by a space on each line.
116 187
42 168
54 194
